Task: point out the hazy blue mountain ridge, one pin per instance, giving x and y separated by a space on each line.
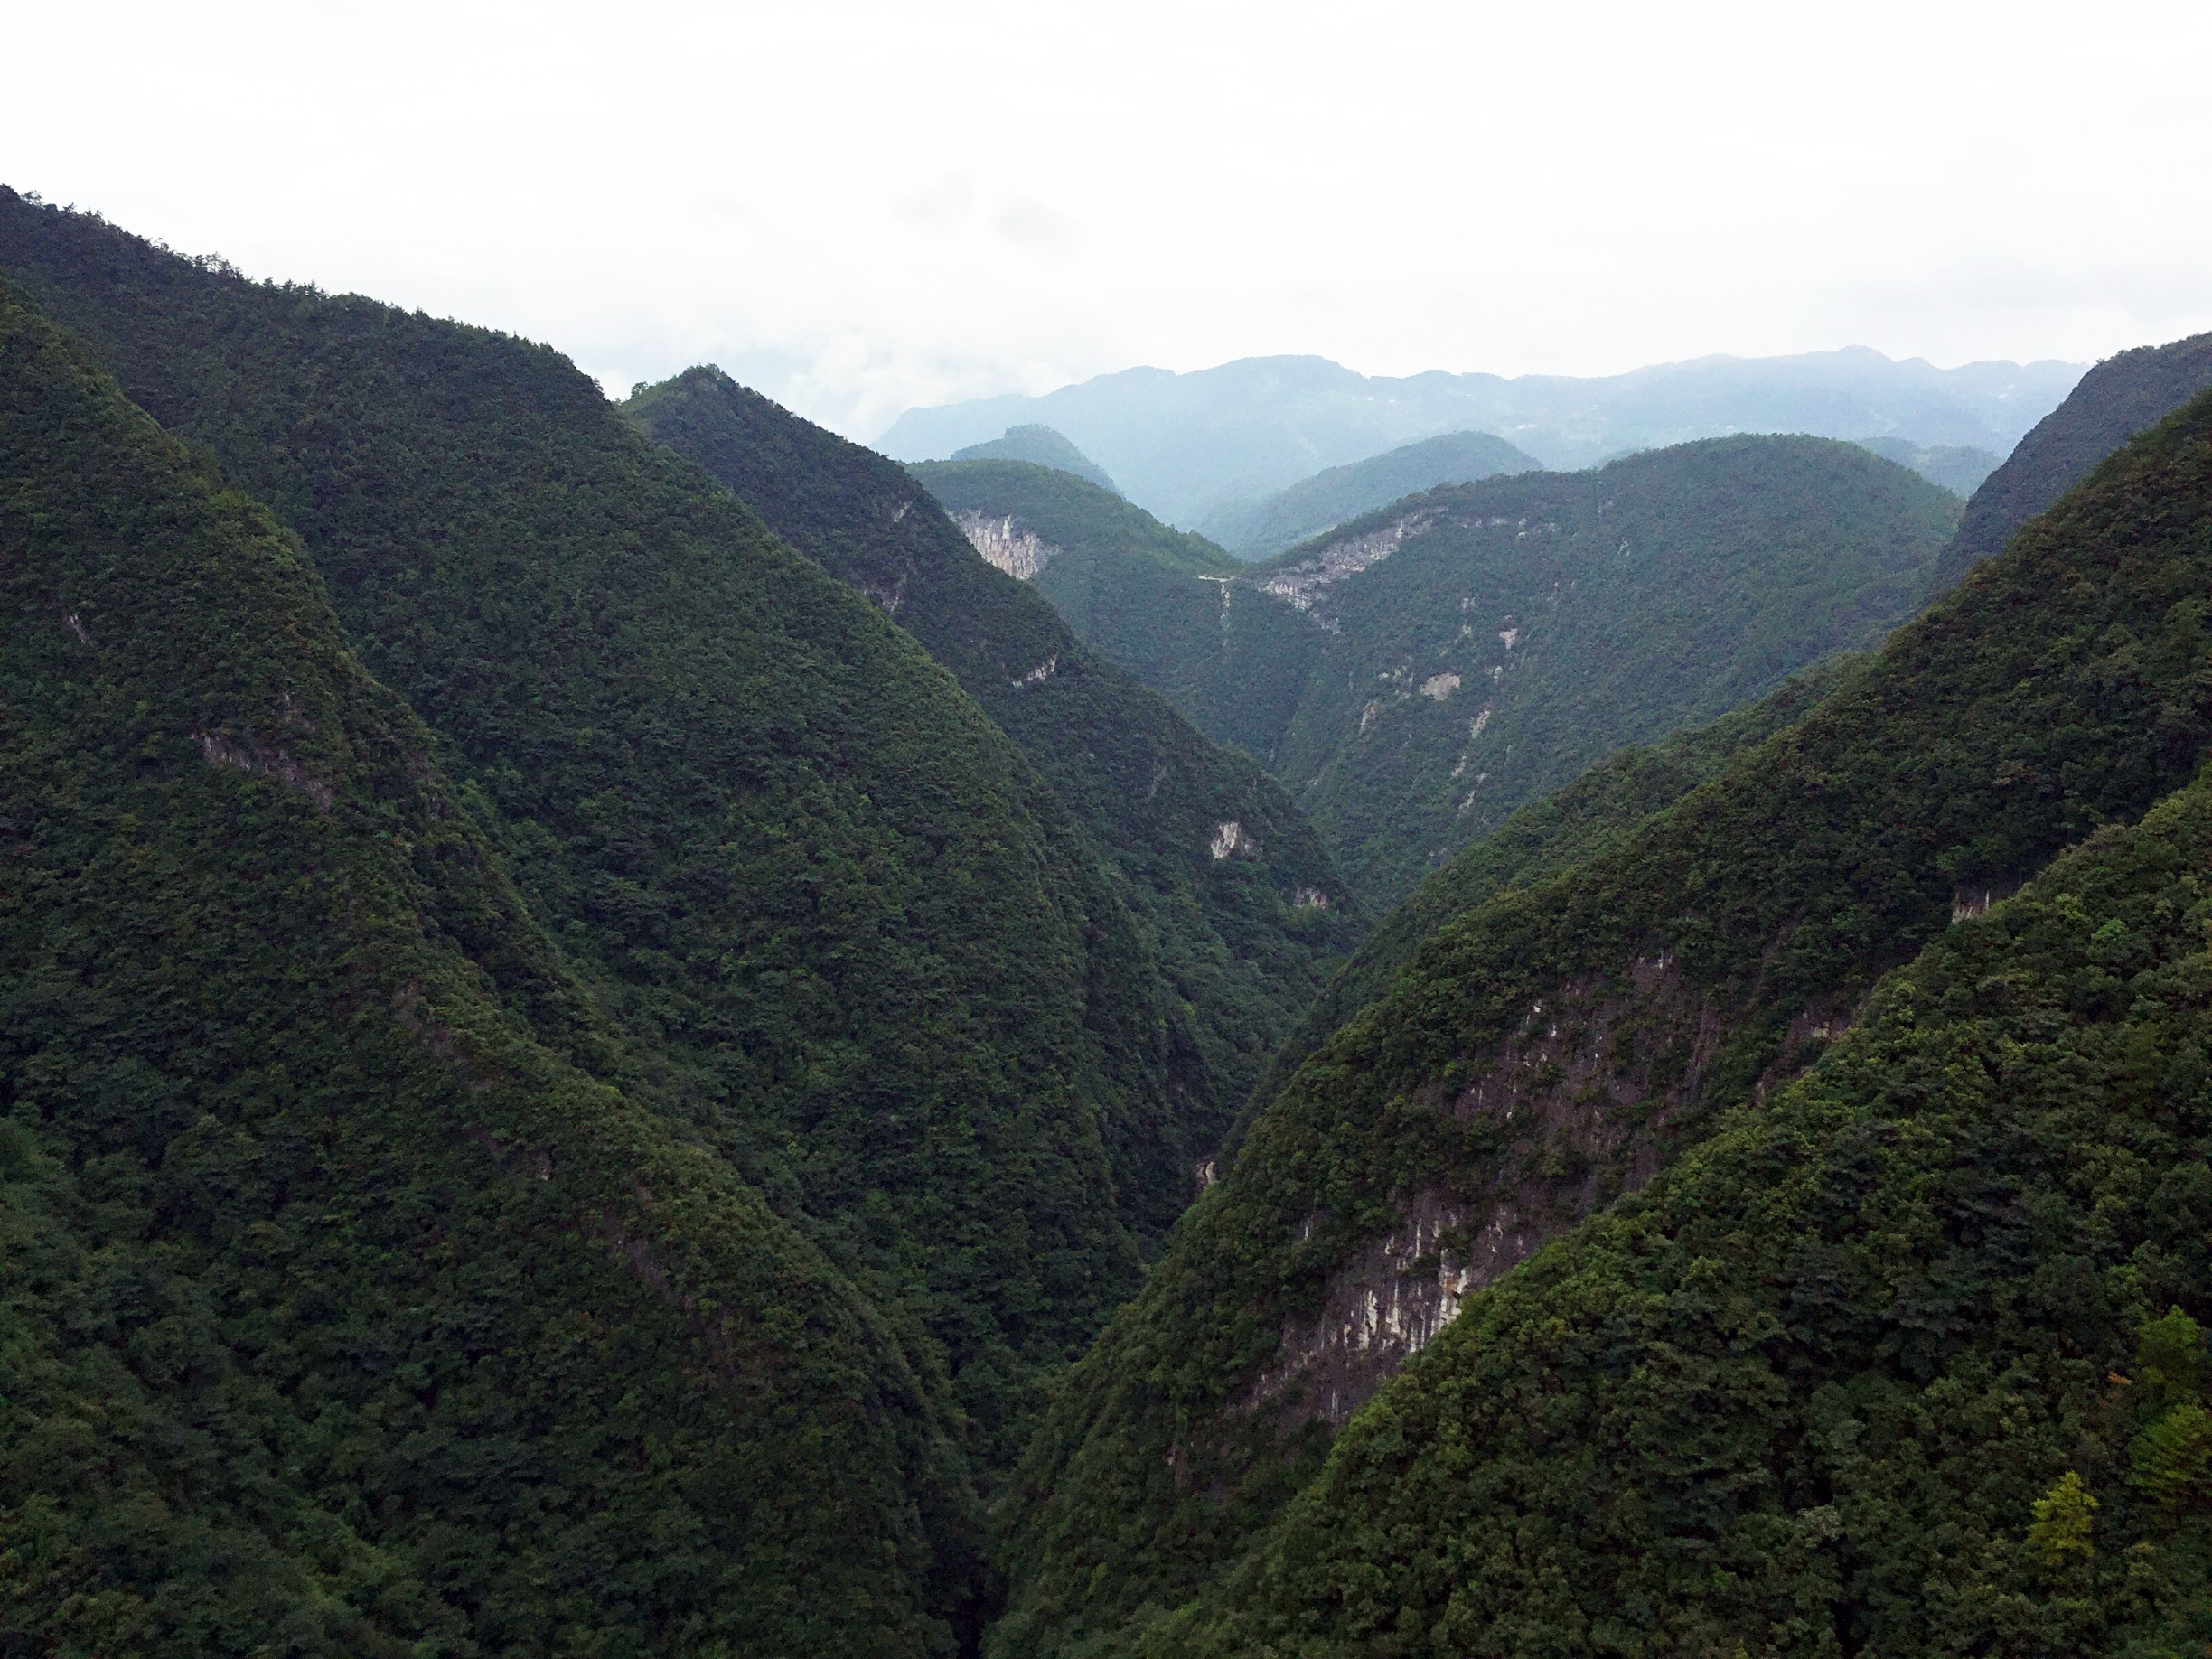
1958 468
1255 529
1185 445
1040 446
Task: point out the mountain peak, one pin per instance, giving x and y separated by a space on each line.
1041 447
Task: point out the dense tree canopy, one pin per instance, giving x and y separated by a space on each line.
599 1021
1242 940
1419 672
1547 1050
852 932
357 1294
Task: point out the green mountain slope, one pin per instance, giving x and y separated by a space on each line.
1491 643
852 930
1160 602
1254 530
1806 1393
353 1299
1565 1041
2119 397
1040 446
1551 834
1243 938
1415 675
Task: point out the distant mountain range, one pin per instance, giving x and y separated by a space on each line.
1188 446
1417 673
1959 468
1254 530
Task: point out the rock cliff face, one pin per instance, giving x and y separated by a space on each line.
1006 545
1304 583
1578 1101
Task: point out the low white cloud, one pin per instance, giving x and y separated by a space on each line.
870 206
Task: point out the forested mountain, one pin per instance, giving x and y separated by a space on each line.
1163 603
1254 530
1236 899
1911 1361
602 1009
1417 674
1869 1309
2119 397
1522 628
852 934
1041 447
363 1290
1551 833
1185 446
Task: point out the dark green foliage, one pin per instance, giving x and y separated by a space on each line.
1800 1396
1468 649
1629 1004
2170 1359
1241 941
1568 615
1254 530
845 924
1041 447
2119 397
1157 601
1552 833
352 1301
2172 1461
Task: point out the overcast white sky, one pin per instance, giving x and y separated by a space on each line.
861 207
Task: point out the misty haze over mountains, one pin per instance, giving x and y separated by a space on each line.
1185 446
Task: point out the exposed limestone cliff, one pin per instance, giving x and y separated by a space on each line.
1002 542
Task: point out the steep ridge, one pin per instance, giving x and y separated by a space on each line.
1245 932
1255 529
849 925
1551 834
2113 401
352 1299
1566 826
1417 674
1041 447
1164 604
1562 1043
1491 643
1842 1379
